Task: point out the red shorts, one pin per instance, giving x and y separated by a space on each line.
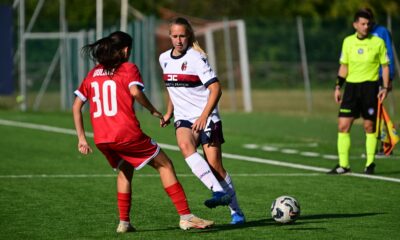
138 153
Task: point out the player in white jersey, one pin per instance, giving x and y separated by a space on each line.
193 93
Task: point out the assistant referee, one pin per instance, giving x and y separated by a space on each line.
362 55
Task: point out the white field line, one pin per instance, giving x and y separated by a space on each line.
175 148
153 175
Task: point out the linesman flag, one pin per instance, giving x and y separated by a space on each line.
385 130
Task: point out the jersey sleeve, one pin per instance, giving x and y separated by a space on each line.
82 92
344 54
134 77
383 56
204 71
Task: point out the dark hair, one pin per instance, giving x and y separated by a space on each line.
109 51
362 13
371 14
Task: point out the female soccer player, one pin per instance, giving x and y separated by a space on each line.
111 88
194 92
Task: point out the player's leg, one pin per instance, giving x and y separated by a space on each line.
174 189
348 111
187 142
124 197
343 145
214 157
344 141
369 114
370 146
124 178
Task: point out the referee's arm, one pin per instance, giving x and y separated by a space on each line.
343 74
385 77
343 70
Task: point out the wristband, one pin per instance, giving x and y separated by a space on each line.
340 81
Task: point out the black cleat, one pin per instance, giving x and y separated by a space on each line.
338 170
370 169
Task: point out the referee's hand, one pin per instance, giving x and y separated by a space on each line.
338 95
382 94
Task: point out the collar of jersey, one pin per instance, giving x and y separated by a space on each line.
180 56
361 39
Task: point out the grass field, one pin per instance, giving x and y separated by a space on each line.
50 191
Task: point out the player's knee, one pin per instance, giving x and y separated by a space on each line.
161 160
343 128
186 148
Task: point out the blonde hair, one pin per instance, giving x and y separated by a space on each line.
196 46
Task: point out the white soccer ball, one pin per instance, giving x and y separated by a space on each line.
285 209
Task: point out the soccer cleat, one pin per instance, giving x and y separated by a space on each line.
370 169
218 199
124 227
238 218
339 170
195 222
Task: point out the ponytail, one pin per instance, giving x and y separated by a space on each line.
110 51
196 46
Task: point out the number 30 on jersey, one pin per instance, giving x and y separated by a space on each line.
107 102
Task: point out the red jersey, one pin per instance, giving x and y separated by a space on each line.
111 103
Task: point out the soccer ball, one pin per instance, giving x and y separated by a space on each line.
285 209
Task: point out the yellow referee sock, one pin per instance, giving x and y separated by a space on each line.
370 147
343 146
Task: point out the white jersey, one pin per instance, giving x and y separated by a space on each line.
186 78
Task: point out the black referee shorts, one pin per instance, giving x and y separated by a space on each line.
360 99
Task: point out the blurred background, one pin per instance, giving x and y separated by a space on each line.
270 55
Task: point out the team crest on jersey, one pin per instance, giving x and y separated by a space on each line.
360 51
371 111
184 66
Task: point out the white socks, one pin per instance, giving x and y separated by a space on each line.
230 189
202 170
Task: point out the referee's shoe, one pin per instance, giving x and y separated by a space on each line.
370 169
338 170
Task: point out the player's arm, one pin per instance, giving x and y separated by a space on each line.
341 79
385 77
213 98
83 146
137 93
170 112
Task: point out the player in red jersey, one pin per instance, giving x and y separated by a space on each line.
111 88
194 92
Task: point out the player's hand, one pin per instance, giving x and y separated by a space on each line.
157 114
199 124
165 121
84 148
338 95
382 94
